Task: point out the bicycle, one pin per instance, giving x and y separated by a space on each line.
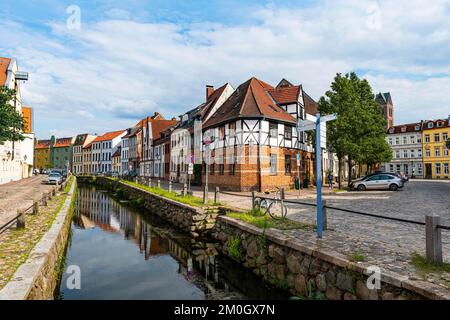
275 207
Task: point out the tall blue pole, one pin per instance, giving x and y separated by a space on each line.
318 177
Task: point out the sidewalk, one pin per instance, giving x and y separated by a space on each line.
19 195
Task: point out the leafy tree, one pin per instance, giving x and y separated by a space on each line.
359 130
11 121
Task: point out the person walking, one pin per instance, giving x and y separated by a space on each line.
330 180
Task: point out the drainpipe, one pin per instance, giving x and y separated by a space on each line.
259 156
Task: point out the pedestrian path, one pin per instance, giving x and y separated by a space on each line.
19 195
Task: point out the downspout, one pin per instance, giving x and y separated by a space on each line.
259 156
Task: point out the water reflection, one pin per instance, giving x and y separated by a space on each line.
124 255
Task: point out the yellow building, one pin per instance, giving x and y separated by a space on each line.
42 154
436 157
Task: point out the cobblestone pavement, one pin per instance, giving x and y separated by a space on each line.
20 194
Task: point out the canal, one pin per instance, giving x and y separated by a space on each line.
122 253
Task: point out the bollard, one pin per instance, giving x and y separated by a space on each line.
159 183
20 219
324 215
35 207
216 196
282 195
253 199
136 180
184 189
150 182
54 191
205 195
44 199
170 185
433 238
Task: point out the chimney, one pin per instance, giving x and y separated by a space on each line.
209 91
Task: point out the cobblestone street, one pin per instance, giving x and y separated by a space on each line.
20 194
387 244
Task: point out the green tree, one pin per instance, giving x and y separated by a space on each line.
11 121
359 130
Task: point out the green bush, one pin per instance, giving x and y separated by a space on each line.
234 248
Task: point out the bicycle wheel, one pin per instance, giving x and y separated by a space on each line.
261 207
277 210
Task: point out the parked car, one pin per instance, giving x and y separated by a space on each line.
61 172
400 175
54 178
386 181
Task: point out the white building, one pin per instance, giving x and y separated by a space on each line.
125 150
406 143
103 148
16 158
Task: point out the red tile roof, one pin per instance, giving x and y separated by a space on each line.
43 144
159 126
89 145
285 95
410 127
445 123
109 136
4 63
250 100
63 142
117 153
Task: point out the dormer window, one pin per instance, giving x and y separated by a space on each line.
440 124
391 130
403 129
430 125
417 128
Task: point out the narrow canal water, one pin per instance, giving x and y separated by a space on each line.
124 254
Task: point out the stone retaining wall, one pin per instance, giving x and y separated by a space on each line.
194 220
308 272
37 279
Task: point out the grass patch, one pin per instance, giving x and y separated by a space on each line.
234 249
424 267
357 257
264 222
188 199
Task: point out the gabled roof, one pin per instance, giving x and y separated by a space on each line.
403 128
4 63
205 108
159 126
80 139
63 142
311 106
285 94
43 144
89 145
250 100
109 136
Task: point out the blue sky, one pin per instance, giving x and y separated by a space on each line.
132 58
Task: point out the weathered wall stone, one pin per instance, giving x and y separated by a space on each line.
308 272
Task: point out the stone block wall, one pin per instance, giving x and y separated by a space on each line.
311 272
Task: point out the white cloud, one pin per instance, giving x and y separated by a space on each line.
108 74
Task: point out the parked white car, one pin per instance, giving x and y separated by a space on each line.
54 178
378 181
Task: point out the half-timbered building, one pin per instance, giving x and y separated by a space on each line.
255 143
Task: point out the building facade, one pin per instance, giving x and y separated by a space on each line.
116 160
42 154
407 150
103 147
16 158
436 157
81 140
62 153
